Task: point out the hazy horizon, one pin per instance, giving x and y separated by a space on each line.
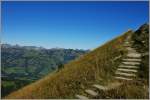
44 47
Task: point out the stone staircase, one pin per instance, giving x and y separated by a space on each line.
94 93
126 71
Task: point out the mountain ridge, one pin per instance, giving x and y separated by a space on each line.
97 66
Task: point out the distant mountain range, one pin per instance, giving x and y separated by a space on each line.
25 64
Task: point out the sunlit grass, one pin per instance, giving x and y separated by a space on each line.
98 66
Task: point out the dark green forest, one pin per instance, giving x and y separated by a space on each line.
22 65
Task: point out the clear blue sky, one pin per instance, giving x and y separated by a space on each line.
82 25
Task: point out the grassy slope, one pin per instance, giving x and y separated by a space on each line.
81 73
78 74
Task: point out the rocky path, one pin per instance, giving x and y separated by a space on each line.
126 71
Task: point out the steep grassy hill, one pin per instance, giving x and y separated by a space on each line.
98 66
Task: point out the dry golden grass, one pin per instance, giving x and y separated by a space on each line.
78 74
129 90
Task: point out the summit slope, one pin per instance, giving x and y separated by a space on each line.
96 67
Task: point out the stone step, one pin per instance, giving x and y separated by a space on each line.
112 85
123 78
81 97
134 55
130 49
91 92
127 66
100 87
124 74
138 60
127 70
131 63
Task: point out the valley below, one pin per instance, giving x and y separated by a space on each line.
23 65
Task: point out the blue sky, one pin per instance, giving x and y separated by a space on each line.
82 25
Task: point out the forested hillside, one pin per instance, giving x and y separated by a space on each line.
22 65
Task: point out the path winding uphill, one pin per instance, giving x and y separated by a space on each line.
126 71
116 70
